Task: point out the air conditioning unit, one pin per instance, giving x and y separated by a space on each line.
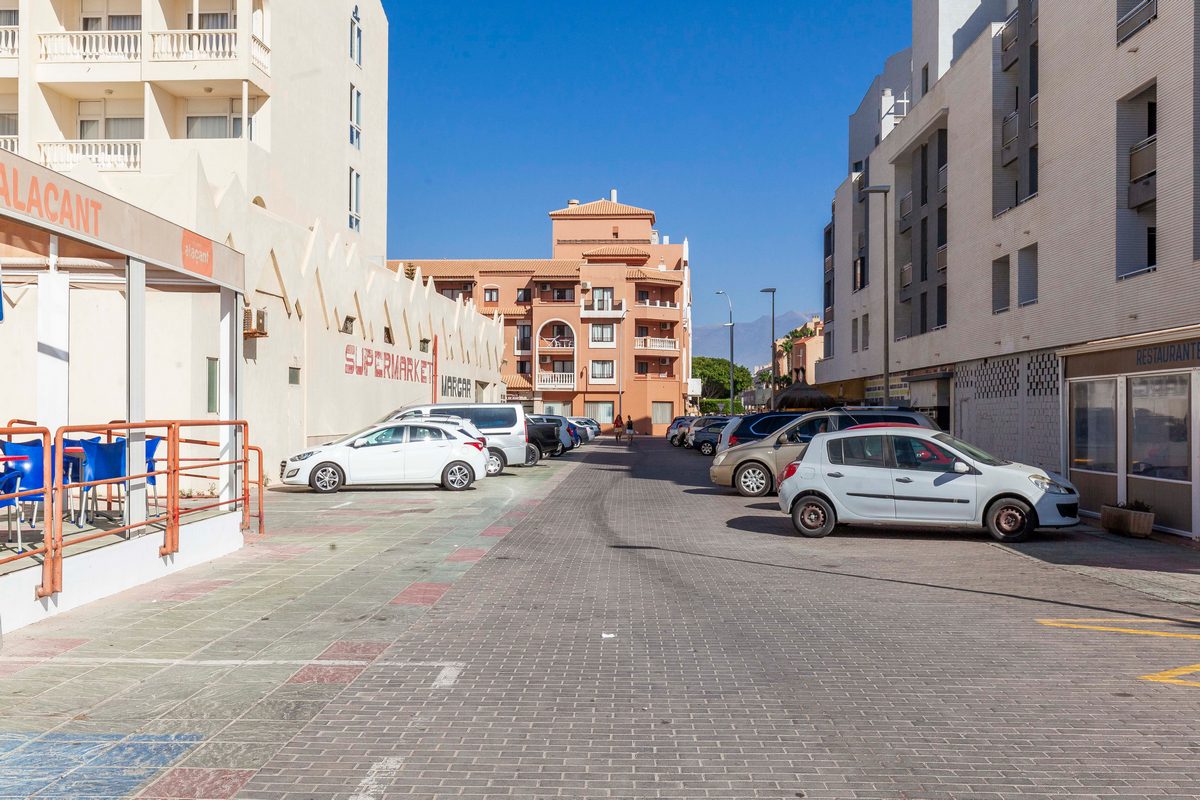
545 359
664 361
586 286
545 287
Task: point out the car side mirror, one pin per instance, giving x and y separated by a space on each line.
359 443
962 467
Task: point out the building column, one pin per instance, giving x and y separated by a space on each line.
135 387
229 361
54 344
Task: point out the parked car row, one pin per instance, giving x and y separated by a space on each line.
449 444
879 466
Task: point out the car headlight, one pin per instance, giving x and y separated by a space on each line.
1047 485
720 459
304 455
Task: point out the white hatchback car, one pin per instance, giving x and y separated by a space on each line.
411 451
894 475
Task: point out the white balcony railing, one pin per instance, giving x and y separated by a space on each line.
652 343
556 343
91 46
109 155
9 36
556 380
657 304
8 143
208 45
260 54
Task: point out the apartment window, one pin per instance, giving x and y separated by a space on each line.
861 275
601 411
924 249
924 312
858 166
866 332
643 296
828 341
1000 285
940 319
523 295
1033 71
215 119
603 333
10 18
524 336
524 367
214 20
1152 246
941 226
1152 118
8 124
924 174
924 80
214 384
1027 275
642 368
829 292
356 38
854 336
125 22
355 201
602 370
602 298
641 331
560 331
491 295
453 294
355 117
1033 172
564 294
563 366
293 376
661 412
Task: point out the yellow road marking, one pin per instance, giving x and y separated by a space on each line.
1173 676
1124 620
1135 631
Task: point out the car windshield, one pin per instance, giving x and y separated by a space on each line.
971 450
355 435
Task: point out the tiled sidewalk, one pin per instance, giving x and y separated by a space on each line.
184 687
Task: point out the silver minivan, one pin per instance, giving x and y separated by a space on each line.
502 423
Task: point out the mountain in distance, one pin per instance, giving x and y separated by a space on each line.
751 340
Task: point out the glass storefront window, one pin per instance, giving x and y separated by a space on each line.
601 411
1094 425
1159 440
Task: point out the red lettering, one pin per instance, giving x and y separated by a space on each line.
378 364
16 190
82 221
349 359
66 214
35 197
4 187
95 205
389 363
51 205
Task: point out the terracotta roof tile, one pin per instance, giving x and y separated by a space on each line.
510 311
517 382
603 208
662 276
616 250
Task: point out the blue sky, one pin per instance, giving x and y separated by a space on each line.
729 120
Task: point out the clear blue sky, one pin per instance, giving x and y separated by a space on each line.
729 120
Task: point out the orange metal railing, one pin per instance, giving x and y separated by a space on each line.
56 487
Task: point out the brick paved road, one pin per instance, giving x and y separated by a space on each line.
643 635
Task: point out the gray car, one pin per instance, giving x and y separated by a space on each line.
704 441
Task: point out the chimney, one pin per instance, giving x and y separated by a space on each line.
572 202
612 195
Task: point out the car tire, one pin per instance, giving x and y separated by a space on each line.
707 448
326 478
813 517
675 442
752 480
533 454
457 476
1010 520
558 450
495 462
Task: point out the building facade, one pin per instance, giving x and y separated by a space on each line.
261 124
999 234
600 329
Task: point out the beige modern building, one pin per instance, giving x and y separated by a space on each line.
1027 276
261 124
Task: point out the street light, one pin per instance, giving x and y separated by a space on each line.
730 326
774 368
887 298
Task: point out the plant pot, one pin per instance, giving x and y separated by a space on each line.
1137 524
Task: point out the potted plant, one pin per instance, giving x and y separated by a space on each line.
1134 518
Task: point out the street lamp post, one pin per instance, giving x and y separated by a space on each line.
730 326
887 295
774 361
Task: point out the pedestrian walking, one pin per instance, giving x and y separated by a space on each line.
618 427
629 428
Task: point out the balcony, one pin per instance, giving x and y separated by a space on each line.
1008 42
9 143
827 317
602 309
1138 17
904 213
207 45
653 343
109 155
943 255
658 304
828 263
906 275
260 54
522 345
556 343
90 46
943 178
556 380
655 376
9 38
1008 140
1143 172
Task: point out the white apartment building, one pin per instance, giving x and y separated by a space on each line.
1026 275
261 124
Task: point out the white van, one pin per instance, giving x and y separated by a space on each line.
502 423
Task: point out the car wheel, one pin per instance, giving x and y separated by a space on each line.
495 463
675 441
1010 520
326 478
752 480
457 476
707 448
533 454
813 517
558 451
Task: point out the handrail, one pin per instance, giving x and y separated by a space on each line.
45 588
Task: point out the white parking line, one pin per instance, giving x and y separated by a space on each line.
343 505
372 786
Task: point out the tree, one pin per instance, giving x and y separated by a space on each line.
714 377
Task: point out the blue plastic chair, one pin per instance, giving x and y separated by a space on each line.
10 483
30 471
104 462
152 444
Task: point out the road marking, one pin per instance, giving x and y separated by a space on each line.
343 505
1127 620
448 676
377 775
1173 676
1135 631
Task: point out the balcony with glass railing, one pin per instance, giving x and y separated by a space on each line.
1143 172
109 155
904 213
943 177
906 275
943 256
1138 17
1008 139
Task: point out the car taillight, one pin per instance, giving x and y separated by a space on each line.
732 440
483 440
788 471
475 444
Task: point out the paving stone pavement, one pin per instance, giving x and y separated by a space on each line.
641 634
185 687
